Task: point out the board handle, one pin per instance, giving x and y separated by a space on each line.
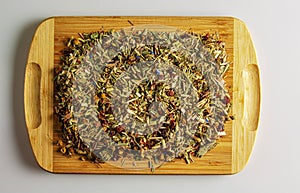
32 89
246 95
251 81
38 92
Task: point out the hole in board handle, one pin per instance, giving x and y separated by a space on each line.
251 97
32 95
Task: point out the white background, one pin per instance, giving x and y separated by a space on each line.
274 165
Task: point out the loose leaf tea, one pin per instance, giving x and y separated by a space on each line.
138 94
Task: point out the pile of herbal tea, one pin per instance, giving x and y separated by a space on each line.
141 95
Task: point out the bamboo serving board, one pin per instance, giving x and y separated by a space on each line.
242 80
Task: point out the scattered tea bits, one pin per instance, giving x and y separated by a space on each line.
142 96
82 158
130 22
221 133
60 143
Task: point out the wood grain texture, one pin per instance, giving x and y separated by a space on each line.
218 161
246 94
38 94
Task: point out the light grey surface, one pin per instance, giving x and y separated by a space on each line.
274 165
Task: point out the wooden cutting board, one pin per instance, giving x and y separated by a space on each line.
230 155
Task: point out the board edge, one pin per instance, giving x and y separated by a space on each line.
41 53
245 61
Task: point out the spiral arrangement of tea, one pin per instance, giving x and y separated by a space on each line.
141 94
